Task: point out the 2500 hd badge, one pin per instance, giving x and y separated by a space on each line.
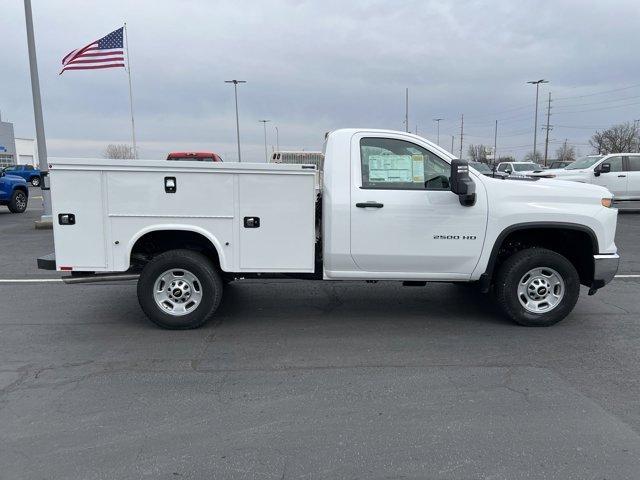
454 237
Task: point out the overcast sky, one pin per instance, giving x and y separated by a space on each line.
314 66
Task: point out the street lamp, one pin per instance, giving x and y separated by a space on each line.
535 125
235 89
264 124
437 120
277 138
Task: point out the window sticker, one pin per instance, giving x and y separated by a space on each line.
392 168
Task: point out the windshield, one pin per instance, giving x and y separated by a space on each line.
481 167
525 167
584 162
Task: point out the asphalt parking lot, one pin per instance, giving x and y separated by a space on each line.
313 380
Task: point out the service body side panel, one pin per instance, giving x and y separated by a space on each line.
116 202
82 246
285 238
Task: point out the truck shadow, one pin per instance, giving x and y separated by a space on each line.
248 301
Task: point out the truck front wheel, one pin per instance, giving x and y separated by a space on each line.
537 287
179 289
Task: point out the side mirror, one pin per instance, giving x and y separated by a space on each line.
461 183
602 168
508 171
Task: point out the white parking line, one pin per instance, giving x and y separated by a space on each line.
59 280
30 280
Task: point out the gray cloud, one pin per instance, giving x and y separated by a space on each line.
315 66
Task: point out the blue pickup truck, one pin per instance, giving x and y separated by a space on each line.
14 192
28 172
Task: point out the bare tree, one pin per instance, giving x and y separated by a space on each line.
120 150
535 158
478 153
617 139
566 153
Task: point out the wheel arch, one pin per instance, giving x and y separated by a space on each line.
581 257
157 239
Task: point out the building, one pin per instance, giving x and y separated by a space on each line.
15 151
26 152
7 144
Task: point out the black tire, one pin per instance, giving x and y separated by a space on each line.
18 202
208 280
516 267
35 181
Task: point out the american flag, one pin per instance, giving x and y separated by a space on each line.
106 52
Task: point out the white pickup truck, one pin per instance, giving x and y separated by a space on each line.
392 206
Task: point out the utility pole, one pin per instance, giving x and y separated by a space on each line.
264 124
453 137
495 144
461 134
235 89
437 120
37 112
277 138
535 124
547 127
406 109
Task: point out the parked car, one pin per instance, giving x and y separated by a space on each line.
28 172
557 164
618 172
14 192
485 169
522 168
195 156
393 206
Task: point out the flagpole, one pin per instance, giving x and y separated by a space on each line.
133 125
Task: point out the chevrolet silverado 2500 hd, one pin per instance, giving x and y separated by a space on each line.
392 206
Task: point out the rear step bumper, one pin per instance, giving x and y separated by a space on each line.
48 262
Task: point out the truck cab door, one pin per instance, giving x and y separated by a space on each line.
633 176
616 179
405 221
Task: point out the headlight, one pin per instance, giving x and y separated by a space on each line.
607 202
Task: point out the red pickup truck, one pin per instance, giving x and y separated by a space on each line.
195 156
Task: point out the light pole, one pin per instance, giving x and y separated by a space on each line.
437 120
264 124
277 138
235 89
535 124
37 112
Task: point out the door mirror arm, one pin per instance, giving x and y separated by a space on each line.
462 184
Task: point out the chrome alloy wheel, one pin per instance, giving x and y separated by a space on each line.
177 292
540 290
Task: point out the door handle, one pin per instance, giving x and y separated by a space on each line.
369 205
621 176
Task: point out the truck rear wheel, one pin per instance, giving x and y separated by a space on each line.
35 181
537 287
179 289
18 202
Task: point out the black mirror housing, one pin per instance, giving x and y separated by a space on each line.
603 168
462 184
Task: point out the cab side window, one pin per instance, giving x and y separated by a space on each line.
502 167
634 163
389 163
616 163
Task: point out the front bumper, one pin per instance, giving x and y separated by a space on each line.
605 268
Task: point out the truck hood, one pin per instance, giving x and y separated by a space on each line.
14 178
548 190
